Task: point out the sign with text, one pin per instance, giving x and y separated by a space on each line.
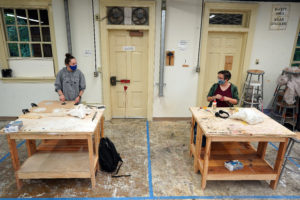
279 18
128 48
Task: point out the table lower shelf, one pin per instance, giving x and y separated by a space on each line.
255 168
50 165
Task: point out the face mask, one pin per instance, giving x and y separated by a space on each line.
221 82
73 67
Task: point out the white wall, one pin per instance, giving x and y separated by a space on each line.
273 48
81 20
182 23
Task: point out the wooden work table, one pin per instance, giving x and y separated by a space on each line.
69 147
229 139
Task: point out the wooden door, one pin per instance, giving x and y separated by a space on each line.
222 49
128 60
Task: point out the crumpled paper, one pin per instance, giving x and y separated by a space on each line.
248 115
80 111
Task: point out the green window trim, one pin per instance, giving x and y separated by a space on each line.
295 60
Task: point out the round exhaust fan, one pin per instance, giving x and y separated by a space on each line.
139 16
115 15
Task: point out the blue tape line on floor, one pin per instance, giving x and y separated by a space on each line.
172 197
290 159
149 162
8 154
228 197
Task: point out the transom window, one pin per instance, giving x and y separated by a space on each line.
225 19
27 32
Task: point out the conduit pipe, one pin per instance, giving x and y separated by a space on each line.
66 6
162 49
200 34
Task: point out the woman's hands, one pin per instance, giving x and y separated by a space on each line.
62 97
77 100
218 96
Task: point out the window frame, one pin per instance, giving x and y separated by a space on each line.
245 20
295 47
28 26
5 57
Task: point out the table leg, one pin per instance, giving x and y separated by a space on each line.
31 147
206 161
261 149
279 162
102 127
15 159
91 158
198 148
192 134
97 141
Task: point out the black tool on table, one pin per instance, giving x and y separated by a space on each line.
63 103
24 111
34 105
94 116
76 104
98 107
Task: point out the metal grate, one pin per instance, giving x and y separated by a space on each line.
225 19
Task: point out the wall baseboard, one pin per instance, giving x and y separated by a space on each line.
171 118
6 118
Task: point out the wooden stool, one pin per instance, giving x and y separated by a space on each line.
252 93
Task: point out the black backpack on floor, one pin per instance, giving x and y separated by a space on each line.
109 158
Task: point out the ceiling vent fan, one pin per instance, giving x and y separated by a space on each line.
140 16
115 15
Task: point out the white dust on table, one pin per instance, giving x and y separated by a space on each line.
59 124
39 109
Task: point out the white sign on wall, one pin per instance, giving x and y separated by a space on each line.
279 18
128 48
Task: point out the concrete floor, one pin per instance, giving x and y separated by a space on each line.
171 169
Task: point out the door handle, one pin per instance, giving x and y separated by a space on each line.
113 81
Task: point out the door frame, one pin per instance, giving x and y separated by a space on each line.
104 45
248 32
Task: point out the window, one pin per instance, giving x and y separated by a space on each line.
237 19
27 33
296 53
225 19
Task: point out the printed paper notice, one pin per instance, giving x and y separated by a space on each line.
183 44
128 48
279 18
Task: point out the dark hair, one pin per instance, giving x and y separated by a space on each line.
227 74
68 58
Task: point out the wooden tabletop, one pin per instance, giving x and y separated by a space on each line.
215 126
50 118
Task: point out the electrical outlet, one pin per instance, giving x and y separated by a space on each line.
97 17
96 74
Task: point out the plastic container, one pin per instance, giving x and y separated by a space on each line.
214 105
